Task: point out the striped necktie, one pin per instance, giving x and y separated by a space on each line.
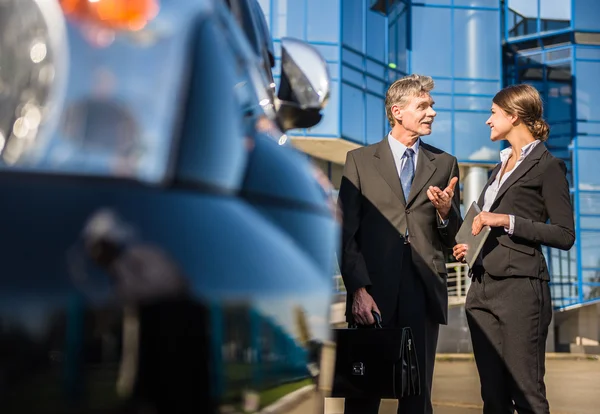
408 172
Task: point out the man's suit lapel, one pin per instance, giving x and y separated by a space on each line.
528 163
423 173
384 162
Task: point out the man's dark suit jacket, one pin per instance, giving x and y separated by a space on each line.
537 190
375 218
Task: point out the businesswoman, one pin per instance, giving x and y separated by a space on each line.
527 204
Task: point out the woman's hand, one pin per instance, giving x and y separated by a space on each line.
460 252
489 219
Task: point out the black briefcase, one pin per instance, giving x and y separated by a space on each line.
375 362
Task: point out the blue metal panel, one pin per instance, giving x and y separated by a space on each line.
339 74
577 221
448 6
536 36
505 10
538 19
575 172
409 37
364 96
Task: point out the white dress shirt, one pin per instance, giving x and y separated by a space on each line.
398 150
492 190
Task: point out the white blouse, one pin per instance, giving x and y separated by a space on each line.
492 190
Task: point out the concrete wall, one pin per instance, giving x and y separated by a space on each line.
579 329
455 337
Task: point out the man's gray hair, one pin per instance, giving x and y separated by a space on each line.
403 89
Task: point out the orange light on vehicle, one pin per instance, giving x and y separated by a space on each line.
114 14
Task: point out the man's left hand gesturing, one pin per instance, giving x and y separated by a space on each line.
442 199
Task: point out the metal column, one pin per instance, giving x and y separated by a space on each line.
473 182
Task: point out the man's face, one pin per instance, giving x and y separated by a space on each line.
417 116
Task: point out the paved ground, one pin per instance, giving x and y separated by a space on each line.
573 388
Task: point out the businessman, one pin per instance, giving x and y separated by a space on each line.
399 200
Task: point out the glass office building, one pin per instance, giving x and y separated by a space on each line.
471 48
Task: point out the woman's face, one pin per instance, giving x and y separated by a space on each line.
500 123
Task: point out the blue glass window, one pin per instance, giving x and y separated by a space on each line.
442 85
522 17
322 20
376 87
555 14
588 90
588 128
431 42
562 264
295 19
476 87
376 120
376 28
393 44
588 52
589 202
398 32
334 70
329 125
441 135
530 58
352 76
436 2
591 290
329 52
559 101
586 15
589 170
353 114
559 127
472 138
588 141
590 223
277 49
476 40
352 58
477 3
376 69
540 86
279 18
442 101
352 24
472 103
560 54
590 249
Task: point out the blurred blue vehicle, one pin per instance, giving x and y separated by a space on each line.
162 251
279 182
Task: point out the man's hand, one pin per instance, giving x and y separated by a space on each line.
442 200
362 306
489 219
460 252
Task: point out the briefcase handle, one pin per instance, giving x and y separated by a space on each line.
377 324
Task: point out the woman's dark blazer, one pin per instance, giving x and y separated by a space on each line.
537 194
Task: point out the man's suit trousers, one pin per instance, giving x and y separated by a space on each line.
411 310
